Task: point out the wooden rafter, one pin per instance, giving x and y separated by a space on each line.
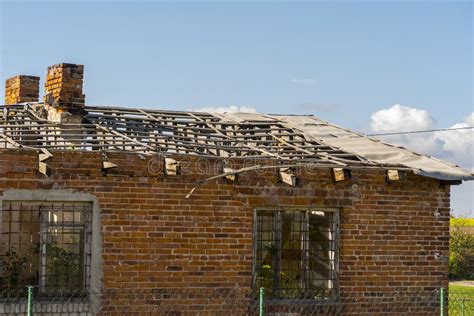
154 131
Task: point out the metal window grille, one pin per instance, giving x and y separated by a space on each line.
296 253
47 245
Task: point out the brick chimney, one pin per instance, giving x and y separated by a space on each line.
21 88
63 87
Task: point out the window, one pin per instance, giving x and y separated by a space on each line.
296 253
45 244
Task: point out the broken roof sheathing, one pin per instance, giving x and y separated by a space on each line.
376 150
288 138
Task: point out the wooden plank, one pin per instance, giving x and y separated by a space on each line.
124 136
246 145
10 141
108 165
341 174
172 167
44 169
45 155
287 176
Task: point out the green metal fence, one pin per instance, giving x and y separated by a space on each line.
238 301
457 302
452 302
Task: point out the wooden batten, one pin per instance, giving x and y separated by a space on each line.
172 167
44 155
341 174
287 176
44 169
108 165
233 176
394 175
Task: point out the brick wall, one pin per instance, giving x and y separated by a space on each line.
63 87
164 252
21 88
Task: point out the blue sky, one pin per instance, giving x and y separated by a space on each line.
342 61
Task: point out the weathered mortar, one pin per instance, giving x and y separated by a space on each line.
63 87
154 240
21 88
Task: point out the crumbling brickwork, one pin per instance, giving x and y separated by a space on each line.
21 88
63 87
161 251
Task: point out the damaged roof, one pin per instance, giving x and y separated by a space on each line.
291 138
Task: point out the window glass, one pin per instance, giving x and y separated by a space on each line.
46 245
266 250
296 253
321 253
292 256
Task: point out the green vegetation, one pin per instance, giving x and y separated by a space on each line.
14 276
462 222
461 299
64 270
461 249
463 289
461 255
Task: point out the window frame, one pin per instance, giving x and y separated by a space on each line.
96 261
278 210
45 230
86 244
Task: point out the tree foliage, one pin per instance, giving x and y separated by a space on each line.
461 255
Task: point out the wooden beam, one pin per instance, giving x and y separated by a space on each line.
44 155
172 167
230 174
341 174
233 138
108 165
287 176
44 169
394 175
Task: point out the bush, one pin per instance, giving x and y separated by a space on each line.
461 255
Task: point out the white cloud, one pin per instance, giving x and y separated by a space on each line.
303 81
227 109
462 199
454 146
403 118
470 119
459 144
400 117
319 107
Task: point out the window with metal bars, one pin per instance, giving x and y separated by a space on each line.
47 245
296 253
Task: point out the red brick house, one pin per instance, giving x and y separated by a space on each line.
110 210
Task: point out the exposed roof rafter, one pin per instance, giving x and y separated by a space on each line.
153 131
287 138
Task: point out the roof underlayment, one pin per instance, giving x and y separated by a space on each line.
289 138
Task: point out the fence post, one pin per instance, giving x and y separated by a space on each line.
441 301
30 301
262 302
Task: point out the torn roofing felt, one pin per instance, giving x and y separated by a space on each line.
287 138
375 150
